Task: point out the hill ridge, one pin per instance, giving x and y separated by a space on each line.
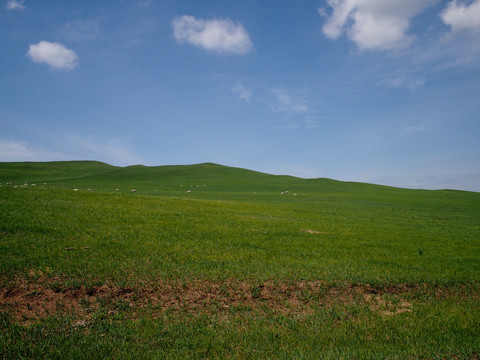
225 178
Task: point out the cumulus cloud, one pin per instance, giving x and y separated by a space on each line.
461 17
54 54
15 5
242 92
223 36
372 24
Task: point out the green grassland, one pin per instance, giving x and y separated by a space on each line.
208 261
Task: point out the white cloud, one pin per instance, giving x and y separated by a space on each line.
461 17
15 5
286 103
222 36
54 54
242 92
372 24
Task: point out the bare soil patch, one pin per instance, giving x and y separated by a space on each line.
30 300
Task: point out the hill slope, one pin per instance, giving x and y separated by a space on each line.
105 177
208 181
54 170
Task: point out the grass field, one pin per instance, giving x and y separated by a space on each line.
207 261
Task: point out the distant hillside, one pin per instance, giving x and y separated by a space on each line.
47 171
178 179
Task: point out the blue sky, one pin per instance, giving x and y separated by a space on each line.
380 91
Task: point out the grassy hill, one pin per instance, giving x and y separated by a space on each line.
33 172
227 266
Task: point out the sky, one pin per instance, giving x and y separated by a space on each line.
378 91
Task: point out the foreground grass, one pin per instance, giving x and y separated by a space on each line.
137 238
340 332
339 271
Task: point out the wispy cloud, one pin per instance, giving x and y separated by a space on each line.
13 150
15 5
372 24
113 151
242 92
404 81
82 30
222 36
284 102
413 129
70 147
56 55
296 110
145 3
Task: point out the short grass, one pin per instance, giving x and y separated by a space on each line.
207 261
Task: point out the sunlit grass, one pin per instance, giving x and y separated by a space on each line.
237 228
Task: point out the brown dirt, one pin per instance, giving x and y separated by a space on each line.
30 300
386 307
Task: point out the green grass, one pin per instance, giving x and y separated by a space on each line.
395 245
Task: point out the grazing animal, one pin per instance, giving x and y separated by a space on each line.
133 190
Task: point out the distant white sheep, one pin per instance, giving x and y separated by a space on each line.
133 190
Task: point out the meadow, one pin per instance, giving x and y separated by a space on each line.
208 261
